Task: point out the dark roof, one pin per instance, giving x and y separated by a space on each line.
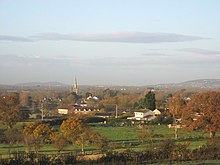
103 114
142 110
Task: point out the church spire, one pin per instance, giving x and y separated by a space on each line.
75 86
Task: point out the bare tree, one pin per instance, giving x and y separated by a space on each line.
176 105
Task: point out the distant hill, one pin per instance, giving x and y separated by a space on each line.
201 84
33 86
41 84
198 84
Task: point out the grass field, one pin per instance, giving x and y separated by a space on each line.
127 137
124 138
162 132
118 133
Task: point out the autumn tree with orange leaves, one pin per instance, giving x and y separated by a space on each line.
59 141
203 113
72 128
36 134
9 109
75 131
80 134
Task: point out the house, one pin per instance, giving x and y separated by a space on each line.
92 98
157 112
83 104
143 114
85 110
63 111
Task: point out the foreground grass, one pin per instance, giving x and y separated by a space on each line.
123 138
195 162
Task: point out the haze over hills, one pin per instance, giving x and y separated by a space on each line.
33 86
198 84
192 84
41 84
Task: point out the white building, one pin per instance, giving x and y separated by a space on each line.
157 112
143 114
63 111
92 98
85 110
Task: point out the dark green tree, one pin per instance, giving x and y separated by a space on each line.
150 101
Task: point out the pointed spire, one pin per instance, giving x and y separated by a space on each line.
75 86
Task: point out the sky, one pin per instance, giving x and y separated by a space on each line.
109 42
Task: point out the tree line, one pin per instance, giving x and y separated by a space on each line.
72 131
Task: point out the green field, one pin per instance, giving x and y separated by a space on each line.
159 133
123 138
118 133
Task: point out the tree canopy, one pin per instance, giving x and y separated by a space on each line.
9 109
72 128
203 112
176 105
148 102
80 134
37 133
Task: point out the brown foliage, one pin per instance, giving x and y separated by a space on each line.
59 141
80 134
35 134
72 128
203 112
176 105
9 109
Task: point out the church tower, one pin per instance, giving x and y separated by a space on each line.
75 86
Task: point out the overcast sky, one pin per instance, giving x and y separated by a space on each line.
112 42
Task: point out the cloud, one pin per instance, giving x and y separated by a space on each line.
123 37
131 62
201 51
126 37
154 54
21 59
14 38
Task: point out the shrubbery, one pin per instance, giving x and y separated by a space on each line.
168 151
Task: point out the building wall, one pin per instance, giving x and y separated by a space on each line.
63 111
139 114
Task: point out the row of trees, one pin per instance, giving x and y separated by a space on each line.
72 130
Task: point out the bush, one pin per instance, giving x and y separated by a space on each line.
2 136
162 120
168 151
94 119
209 151
53 122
